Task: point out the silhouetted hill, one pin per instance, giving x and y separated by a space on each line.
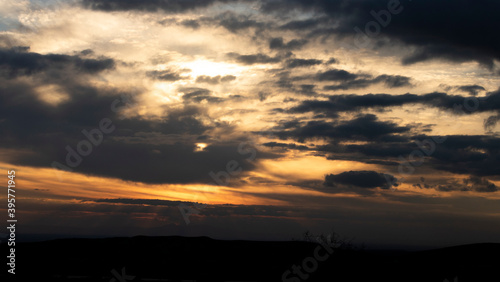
205 259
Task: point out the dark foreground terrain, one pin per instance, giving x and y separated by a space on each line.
204 259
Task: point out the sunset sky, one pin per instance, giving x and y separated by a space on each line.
377 118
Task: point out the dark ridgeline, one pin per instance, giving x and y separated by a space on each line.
205 259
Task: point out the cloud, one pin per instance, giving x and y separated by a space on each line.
362 127
167 75
215 79
351 103
336 75
194 24
297 63
236 22
462 154
332 61
491 122
344 79
18 61
307 24
449 53
254 58
472 90
193 94
455 32
278 43
285 145
480 184
227 78
390 81
360 179
138 150
152 151
472 183
350 80
171 6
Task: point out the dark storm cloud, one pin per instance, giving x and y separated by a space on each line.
463 154
336 75
388 144
457 55
167 75
19 61
164 163
472 154
350 103
278 43
297 63
215 79
363 127
457 32
137 150
153 151
254 58
361 179
172 6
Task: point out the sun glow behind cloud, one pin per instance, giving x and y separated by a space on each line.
201 67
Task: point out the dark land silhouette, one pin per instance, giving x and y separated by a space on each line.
204 259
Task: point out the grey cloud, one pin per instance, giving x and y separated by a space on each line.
171 6
391 81
151 151
279 44
199 94
349 103
235 22
472 90
194 24
304 24
19 61
360 179
453 32
336 75
297 63
362 127
472 183
215 79
254 59
167 75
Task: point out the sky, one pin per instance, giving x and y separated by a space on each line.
253 119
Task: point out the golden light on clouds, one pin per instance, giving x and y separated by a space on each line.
52 94
201 67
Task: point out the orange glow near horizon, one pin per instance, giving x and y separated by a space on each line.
48 183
